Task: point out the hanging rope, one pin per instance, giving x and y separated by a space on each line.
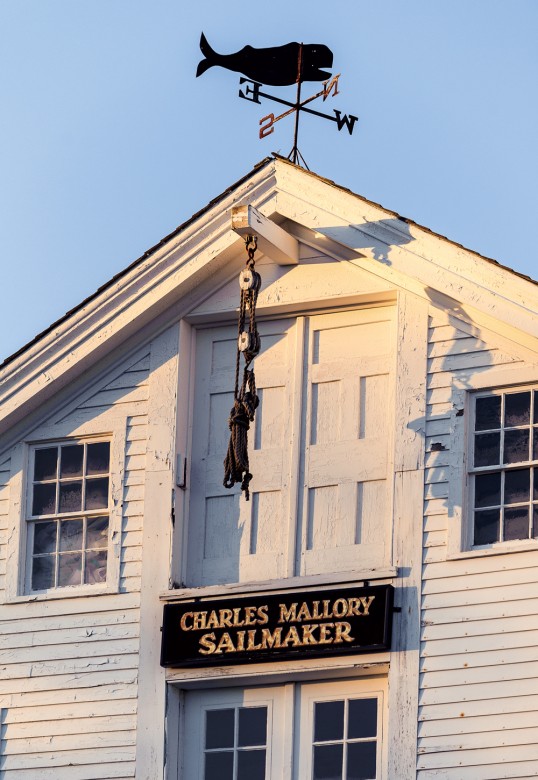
236 466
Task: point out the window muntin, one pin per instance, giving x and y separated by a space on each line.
504 473
235 745
345 739
68 521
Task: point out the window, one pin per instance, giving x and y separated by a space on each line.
235 743
345 739
68 521
328 730
504 473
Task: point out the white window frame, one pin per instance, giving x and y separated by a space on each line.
460 514
18 546
290 711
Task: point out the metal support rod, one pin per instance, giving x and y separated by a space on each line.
295 150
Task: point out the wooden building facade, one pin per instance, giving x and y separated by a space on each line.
370 613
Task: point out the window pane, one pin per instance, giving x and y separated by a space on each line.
98 458
97 532
516 446
44 502
535 522
95 570
329 721
516 523
487 489
43 572
328 762
251 765
219 766
252 726
487 448
71 460
44 537
70 569
362 718
535 406
486 526
97 493
517 409
361 761
535 484
488 413
71 535
219 728
535 443
45 464
70 497
517 486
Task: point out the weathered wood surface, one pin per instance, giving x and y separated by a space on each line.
479 626
69 667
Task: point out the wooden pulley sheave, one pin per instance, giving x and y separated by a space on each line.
236 465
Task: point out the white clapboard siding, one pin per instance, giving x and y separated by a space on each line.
478 690
69 667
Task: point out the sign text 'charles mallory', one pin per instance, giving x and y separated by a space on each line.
265 627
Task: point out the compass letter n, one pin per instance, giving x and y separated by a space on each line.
345 121
330 86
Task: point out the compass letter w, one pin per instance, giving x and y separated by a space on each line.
345 121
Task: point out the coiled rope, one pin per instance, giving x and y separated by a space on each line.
236 465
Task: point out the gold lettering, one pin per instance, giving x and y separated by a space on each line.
293 637
249 616
213 620
241 640
183 622
225 642
308 635
325 637
262 615
199 621
353 607
207 643
342 633
316 614
326 613
340 608
271 639
330 85
366 602
238 622
288 615
304 612
226 616
251 636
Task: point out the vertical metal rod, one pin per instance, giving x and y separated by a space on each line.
295 150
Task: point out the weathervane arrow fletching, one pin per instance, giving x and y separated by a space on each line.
280 66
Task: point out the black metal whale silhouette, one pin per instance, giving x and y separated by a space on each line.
276 66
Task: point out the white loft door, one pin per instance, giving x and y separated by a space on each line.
348 403
230 539
319 451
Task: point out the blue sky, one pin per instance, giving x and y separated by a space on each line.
108 141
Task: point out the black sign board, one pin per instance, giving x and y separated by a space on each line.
271 627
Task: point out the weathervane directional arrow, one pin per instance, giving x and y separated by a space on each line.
292 63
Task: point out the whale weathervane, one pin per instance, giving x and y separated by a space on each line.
279 66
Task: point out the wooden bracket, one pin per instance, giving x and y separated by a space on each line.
273 240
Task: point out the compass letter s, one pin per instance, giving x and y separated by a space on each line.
267 128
